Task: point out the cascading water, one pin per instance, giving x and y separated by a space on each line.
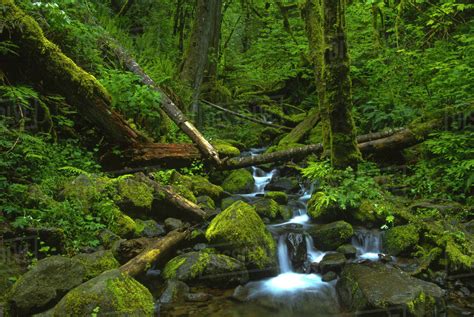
368 244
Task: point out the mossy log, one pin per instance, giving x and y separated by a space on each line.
40 57
159 250
298 133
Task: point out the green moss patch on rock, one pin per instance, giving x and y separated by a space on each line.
239 182
279 197
111 293
135 191
225 148
240 230
198 185
97 262
42 286
266 207
332 235
401 239
321 208
206 268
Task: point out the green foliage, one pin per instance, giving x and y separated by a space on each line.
447 168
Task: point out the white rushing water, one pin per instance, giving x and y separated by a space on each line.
368 244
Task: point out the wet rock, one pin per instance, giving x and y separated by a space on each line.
173 224
240 231
285 212
296 250
9 270
197 297
374 285
314 267
332 235
198 185
279 197
108 238
266 207
348 250
200 247
400 240
332 262
329 276
324 212
43 286
283 184
175 291
239 181
97 262
226 202
241 293
111 293
52 237
151 228
385 258
216 270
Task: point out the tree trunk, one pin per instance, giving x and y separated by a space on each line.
200 59
302 129
338 95
157 251
45 62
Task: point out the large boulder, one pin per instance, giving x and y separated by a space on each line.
224 148
198 185
332 262
239 182
297 251
111 293
332 235
97 262
401 239
42 287
284 184
206 268
239 230
279 197
376 286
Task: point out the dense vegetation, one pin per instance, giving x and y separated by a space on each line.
409 63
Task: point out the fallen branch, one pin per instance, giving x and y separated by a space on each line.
169 107
298 132
157 251
244 116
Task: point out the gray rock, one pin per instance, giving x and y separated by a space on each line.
45 284
197 297
348 250
296 249
374 285
175 291
151 228
173 224
284 184
332 235
329 276
332 262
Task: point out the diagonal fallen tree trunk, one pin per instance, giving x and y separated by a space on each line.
160 250
169 106
298 132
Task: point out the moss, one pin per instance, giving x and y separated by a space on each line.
198 268
401 239
283 147
172 266
279 197
321 209
139 193
131 297
332 235
266 207
198 185
98 262
240 229
184 191
225 149
239 182
456 258
125 226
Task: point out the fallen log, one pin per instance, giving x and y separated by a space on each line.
169 195
298 132
169 106
45 62
277 126
159 250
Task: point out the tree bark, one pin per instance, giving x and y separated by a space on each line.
169 106
338 95
159 250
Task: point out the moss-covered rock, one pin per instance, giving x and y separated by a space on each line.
184 191
285 212
206 268
332 235
401 239
239 182
206 203
376 286
286 184
45 284
9 272
124 226
240 230
226 202
198 185
136 192
225 148
150 229
369 212
111 293
97 262
332 262
279 197
266 207
322 209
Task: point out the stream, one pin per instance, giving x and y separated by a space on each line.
295 291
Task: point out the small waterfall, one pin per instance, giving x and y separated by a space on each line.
262 179
368 243
313 254
283 257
